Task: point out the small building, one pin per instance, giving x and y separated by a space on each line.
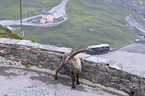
43 20
48 17
99 49
137 40
54 14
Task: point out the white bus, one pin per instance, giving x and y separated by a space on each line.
99 49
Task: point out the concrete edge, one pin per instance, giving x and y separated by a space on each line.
84 81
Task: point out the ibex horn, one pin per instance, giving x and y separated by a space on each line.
77 52
79 46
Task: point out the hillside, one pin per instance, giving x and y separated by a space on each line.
89 22
7 33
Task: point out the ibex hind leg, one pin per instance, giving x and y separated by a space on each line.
73 80
78 82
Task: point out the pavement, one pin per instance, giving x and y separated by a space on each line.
129 58
24 82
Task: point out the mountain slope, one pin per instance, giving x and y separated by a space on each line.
7 33
89 22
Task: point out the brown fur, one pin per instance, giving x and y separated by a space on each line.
72 64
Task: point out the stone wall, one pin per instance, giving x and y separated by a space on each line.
108 76
29 55
97 73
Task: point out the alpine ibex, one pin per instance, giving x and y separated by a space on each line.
72 63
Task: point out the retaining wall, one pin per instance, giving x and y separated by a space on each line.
97 73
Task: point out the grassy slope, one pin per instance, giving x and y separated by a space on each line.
6 33
10 8
89 22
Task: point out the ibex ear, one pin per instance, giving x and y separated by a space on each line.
79 46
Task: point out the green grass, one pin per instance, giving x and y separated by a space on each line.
89 22
7 33
10 8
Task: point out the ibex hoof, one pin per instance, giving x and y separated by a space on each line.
55 78
78 83
73 87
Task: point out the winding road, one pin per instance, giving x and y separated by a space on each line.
60 9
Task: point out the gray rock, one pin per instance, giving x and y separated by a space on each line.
24 42
3 40
12 41
49 47
35 45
